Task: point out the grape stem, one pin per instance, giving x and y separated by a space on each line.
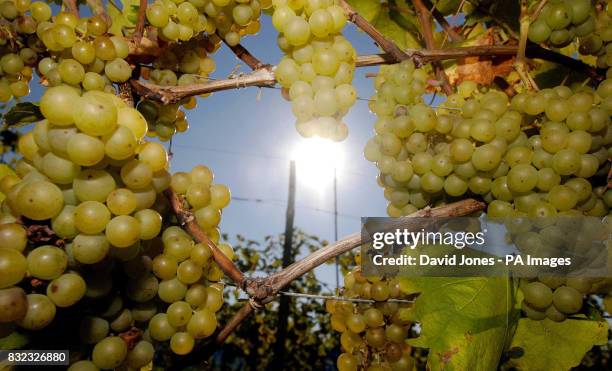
189 224
140 22
538 10
72 7
244 55
426 29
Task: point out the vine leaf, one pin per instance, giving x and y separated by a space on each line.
22 113
548 345
447 7
125 19
368 9
465 322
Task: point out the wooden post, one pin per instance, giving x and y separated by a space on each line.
283 304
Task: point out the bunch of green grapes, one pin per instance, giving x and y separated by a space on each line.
178 66
318 66
372 335
82 53
598 43
19 48
561 21
183 20
475 145
87 173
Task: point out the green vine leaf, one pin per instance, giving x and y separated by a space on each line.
368 9
22 113
548 345
447 7
465 322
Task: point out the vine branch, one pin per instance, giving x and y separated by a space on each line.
72 7
140 22
244 55
265 290
189 224
426 26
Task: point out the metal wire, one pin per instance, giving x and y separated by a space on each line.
342 298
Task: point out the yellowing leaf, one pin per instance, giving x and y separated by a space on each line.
465 322
552 346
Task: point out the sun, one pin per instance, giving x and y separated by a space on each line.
315 160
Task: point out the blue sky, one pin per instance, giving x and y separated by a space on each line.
248 143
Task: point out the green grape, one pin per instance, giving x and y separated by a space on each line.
40 11
109 352
93 329
500 189
214 297
121 144
118 70
579 121
562 197
66 290
346 362
522 178
40 312
208 216
143 312
202 324
373 317
57 104
157 15
93 185
581 187
461 150
188 272
479 185
91 217
40 200
179 314
200 254
145 198
558 16
13 236
123 231
121 201
567 300
198 195
133 120
171 290
566 162
105 48
539 31
71 71
537 295
219 196
356 323
85 150
83 366
123 321
580 141
90 249
455 186
196 295
47 262
441 165
150 223
532 313
95 114
143 288
141 355
136 175
547 179
486 157
13 304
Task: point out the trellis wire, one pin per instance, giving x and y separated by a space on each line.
342 298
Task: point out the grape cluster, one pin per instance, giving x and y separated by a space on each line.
87 175
373 335
476 144
182 20
178 66
318 67
561 21
598 43
19 48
